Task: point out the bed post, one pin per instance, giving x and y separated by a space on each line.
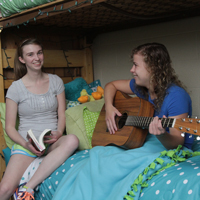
2 96
88 62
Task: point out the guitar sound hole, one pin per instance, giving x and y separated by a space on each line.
122 120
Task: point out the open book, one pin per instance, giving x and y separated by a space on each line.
38 142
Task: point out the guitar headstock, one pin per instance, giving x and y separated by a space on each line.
188 125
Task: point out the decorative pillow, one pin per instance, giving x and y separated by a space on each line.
6 153
9 142
94 85
90 119
74 88
75 123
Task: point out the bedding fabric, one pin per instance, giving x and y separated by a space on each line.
113 173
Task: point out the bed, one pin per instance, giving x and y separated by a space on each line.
99 172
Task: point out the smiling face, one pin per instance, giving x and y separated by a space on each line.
140 71
33 57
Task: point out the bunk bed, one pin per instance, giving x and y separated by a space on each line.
67 29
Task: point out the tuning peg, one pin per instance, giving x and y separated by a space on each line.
198 121
180 128
198 138
195 131
187 129
183 119
190 120
188 116
183 134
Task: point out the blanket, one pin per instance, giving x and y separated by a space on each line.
114 173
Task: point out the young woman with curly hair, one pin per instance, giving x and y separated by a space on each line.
155 81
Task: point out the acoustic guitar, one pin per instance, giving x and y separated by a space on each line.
137 115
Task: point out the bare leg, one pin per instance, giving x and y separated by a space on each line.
16 167
58 153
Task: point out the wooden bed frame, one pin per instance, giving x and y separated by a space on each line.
67 64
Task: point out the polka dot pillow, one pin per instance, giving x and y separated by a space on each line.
181 181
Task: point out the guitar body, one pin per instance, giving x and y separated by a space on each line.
128 137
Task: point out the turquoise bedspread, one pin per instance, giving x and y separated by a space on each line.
111 173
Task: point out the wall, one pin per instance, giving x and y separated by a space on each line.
111 53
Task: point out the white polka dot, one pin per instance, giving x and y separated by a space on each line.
49 177
185 181
157 192
63 170
164 175
142 194
153 184
56 173
176 165
56 182
181 173
43 195
71 165
173 191
190 192
179 168
194 164
83 156
50 187
196 168
168 182
63 164
198 174
189 161
72 158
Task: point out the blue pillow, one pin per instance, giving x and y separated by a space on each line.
6 153
74 88
94 85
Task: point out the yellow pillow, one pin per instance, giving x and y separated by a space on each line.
9 142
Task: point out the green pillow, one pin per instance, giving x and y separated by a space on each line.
9 142
73 89
75 121
90 119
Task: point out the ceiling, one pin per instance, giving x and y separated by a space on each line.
112 15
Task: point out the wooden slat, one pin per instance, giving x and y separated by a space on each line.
56 58
2 99
53 58
87 72
7 83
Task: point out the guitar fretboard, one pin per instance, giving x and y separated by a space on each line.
144 122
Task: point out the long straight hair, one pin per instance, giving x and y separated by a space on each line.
20 68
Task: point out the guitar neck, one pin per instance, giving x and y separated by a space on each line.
144 122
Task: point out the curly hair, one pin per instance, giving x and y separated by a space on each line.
20 68
163 75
